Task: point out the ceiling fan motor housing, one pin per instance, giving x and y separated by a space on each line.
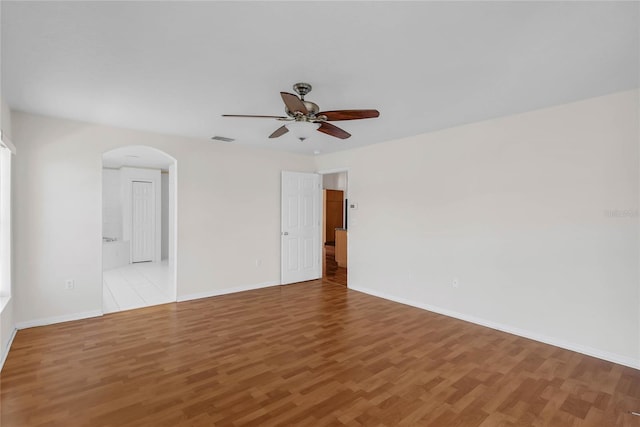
312 109
302 89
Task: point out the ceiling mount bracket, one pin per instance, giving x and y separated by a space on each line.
302 89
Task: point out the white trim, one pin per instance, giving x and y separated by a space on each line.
8 347
225 291
4 301
58 319
330 171
6 142
589 351
346 197
173 225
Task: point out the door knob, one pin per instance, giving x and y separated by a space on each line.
285 233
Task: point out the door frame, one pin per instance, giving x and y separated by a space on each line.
347 196
173 212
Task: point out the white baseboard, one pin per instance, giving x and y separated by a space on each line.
7 348
589 351
58 319
217 292
98 313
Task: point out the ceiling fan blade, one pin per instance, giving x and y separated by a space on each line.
332 130
349 114
293 103
252 116
279 132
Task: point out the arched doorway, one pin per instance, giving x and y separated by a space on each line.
138 228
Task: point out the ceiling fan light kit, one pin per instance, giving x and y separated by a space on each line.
305 116
302 130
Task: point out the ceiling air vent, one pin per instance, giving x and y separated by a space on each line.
222 139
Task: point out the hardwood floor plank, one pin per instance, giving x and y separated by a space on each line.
331 271
314 353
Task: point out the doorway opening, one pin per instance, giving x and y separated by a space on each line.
334 226
138 228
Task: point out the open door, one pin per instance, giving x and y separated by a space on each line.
300 227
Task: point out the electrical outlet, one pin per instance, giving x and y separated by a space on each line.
69 284
258 262
455 283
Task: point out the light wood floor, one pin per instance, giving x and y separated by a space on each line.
309 354
330 270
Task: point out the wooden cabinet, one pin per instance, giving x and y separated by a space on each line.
334 207
341 247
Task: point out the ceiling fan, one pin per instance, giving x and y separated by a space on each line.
300 111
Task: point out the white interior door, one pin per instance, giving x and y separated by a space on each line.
300 229
143 221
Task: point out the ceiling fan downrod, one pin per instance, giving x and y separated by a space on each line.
302 89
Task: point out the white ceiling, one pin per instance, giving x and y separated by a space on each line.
175 67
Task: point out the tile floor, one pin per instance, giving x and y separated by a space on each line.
137 285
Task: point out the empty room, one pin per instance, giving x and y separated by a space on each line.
315 213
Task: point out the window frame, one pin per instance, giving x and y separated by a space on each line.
7 150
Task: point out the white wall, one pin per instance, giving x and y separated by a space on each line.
335 181
164 178
228 214
111 204
526 211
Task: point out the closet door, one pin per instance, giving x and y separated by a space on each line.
143 221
